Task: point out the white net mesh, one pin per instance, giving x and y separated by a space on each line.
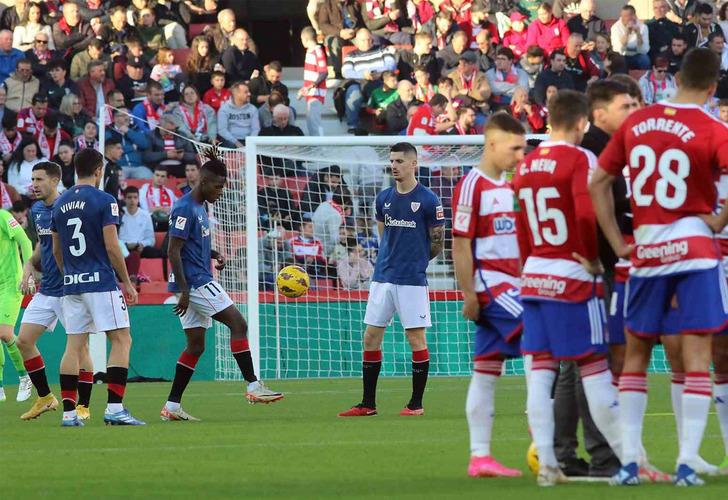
314 206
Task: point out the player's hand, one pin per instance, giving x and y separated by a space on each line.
220 262
592 266
27 284
714 222
471 308
182 304
625 251
130 294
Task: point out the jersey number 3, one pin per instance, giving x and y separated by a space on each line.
538 212
79 246
645 157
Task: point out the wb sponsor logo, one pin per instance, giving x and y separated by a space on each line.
504 225
77 279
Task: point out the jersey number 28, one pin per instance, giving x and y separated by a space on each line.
673 167
79 246
538 212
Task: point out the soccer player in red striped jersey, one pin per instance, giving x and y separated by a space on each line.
487 265
561 292
673 150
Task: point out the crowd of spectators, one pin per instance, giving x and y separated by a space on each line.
390 67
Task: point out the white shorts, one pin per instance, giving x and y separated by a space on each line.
43 310
411 303
95 312
205 302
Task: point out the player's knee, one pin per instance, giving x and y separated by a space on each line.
196 348
120 340
23 343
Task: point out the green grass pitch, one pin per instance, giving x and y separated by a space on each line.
298 448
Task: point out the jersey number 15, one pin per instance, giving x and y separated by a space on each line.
538 212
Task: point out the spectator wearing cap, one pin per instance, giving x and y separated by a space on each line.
21 86
388 20
587 22
338 21
396 114
133 84
148 111
504 78
579 63
40 55
241 64
631 39
657 84
450 55
134 50
51 136
554 76
93 88
515 38
660 28
133 143
237 118
9 56
423 55
94 52
71 34
58 85
702 26
470 85
364 67
168 148
547 31
441 29
30 119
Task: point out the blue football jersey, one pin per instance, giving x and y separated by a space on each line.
79 217
189 221
404 250
41 216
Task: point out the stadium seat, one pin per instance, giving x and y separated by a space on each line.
609 23
136 182
153 269
296 186
181 56
194 30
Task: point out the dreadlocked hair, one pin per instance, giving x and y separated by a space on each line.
214 164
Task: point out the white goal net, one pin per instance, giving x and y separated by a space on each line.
308 201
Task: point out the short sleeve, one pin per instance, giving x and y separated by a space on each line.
435 214
722 151
180 221
110 212
614 157
378 207
53 221
465 212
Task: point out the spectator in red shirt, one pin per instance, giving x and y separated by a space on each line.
516 37
546 31
308 251
218 94
461 12
423 120
531 115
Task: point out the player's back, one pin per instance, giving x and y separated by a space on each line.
674 153
556 219
41 216
79 217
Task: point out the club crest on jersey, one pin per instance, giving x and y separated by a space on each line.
415 206
504 225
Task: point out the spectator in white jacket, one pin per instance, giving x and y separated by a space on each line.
328 218
631 38
237 118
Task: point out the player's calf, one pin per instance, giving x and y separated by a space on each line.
602 399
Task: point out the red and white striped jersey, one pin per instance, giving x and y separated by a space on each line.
556 219
722 186
674 152
313 66
302 247
484 212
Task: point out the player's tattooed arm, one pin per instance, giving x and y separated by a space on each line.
437 240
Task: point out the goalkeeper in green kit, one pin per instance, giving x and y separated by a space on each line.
12 235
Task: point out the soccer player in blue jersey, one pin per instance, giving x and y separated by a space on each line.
86 249
44 311
411 222
200 297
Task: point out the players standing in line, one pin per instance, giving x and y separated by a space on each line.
44 310
411 222
673 150
12 235
86 248
200 297
488 269
563 315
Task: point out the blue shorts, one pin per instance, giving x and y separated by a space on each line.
702 299
499 329
566 330
615 318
